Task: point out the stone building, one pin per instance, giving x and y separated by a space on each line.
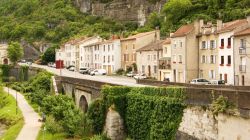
208 51
148 58
185 53
131 44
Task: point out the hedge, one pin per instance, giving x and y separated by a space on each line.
148 112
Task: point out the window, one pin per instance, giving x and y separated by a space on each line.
180 44
212 59
212 44
212 74
133 46
242 43
113 58
143 69
126 47
203 46
104 48
134 57
225 78
148 57
220 76
203 59
103 59
174 46
229 60
222 60
108 48
174 58
222 43
112 46
229 42
180 58
154 57
108 59
166 50
155 69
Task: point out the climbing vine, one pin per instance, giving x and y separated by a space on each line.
148 113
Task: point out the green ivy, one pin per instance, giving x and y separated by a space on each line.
148 112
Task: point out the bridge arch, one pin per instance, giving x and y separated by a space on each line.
83 104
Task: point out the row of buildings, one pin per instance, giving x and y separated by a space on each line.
198 50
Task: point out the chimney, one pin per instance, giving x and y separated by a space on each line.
219 24
248 19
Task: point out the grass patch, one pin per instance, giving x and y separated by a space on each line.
8 116
49 136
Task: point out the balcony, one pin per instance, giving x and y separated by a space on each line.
242 50
165 63
242 68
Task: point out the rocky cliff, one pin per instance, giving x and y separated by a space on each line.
123 10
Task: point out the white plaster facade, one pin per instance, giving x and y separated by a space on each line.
226 57
110 54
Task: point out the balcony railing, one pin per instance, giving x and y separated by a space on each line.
242 50
243 68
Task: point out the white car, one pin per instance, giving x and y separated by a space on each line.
72 68
140 76
83 70
98 72
131 74
200 81
217 82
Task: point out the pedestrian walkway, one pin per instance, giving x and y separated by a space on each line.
31 126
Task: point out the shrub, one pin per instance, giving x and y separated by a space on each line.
140 108
53 126
120 71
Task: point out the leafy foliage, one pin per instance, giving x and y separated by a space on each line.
140 108
15 52
222 105
49 55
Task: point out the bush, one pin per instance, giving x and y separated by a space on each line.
120 71
140 108
52 126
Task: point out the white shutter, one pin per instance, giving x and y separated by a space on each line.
209 73
201 59
215 44
215 57
208 44
214 75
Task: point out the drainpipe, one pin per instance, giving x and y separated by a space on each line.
185 59
232 39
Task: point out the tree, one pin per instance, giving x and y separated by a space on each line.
49 55
15 52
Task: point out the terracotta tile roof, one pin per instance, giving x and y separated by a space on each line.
243 32
183 30
229 26
138 35
152 46
167 41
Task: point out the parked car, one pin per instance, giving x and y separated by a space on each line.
98 72
50 64
140 76
72 68
83 70
53 65
217 82
90 70
131 74
23 61
200 81
29 63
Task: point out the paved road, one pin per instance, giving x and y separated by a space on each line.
119 80
31 126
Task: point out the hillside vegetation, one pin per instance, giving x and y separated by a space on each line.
178 12
55 21
52 21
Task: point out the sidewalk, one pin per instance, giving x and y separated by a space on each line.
31 126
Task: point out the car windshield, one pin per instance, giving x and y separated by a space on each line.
202 80
83 69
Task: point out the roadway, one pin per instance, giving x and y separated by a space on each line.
119 80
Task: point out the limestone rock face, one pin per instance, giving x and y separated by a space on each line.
122 10
114 128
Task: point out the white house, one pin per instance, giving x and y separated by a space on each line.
86 51
226 49
3 54
109 55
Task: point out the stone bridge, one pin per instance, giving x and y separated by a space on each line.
198 122
82 91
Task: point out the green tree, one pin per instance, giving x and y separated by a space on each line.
49 55
15 52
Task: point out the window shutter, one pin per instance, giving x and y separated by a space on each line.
214 75
208 44
209 74
215 43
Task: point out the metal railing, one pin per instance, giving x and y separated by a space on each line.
242 50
